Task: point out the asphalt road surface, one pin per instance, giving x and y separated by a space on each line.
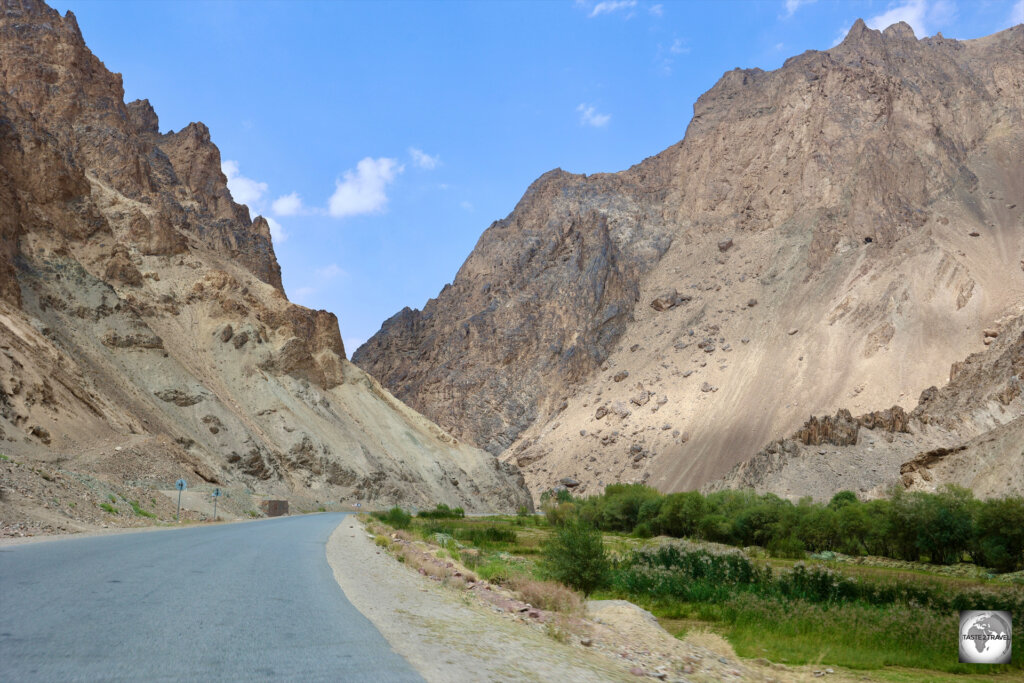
236 602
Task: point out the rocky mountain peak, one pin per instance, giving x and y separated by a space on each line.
143 117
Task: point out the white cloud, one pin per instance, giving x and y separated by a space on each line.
466 206
923 16
589 116
276 231
793 5
658 10
1017 13
609 6
243 190
363 190
287 205
679 47
912 12
424 160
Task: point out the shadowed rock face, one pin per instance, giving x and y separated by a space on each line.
538 305
841 192
140 306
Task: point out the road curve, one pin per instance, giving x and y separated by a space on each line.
236 602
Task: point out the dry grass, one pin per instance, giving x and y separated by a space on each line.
547 595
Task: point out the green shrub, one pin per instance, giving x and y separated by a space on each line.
1000 534
789 547
395 517
442 511
109 508
557 514
575 556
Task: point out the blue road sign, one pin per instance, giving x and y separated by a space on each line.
181 485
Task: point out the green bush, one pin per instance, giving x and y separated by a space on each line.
789 547
557 514
575 556
442 511
999 532
109 508
395 517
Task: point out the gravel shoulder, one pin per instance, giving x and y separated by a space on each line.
444 635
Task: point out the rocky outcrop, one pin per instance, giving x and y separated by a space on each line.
140 305
840 430
843 428
820 214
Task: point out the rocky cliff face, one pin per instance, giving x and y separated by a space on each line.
826 236
144 330
538 306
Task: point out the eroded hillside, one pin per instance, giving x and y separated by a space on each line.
144 331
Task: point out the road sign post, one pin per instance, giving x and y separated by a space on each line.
216 495
181 485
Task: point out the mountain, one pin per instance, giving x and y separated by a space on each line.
830 235
144 331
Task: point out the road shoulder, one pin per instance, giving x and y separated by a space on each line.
444 635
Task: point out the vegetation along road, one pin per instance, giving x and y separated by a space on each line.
252 601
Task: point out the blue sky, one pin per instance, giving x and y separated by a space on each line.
383 138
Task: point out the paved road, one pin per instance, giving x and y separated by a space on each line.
238 602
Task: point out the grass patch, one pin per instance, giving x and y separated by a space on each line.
547 595
137 509
109 508
854 635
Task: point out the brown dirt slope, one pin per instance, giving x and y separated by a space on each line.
142 310
832 234
970 433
